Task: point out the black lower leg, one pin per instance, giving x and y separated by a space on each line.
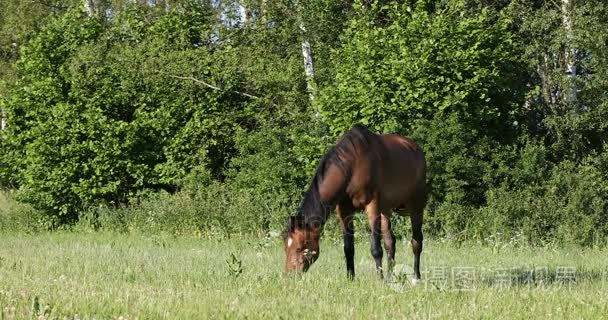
417 239
349 253
376 247
346 220
417 248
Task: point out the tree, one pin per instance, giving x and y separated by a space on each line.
564 49
106 109
448 60
19 21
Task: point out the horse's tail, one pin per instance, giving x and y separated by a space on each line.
428 187
428 176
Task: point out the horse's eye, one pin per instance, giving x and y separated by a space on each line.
298 250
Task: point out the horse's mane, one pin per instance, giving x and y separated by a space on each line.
312 212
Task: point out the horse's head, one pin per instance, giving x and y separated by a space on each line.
301 245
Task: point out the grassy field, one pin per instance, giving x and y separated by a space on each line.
116 276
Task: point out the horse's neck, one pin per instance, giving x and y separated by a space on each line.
332 186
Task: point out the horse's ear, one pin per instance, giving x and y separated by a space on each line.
292 224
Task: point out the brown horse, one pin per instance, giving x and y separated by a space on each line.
363 170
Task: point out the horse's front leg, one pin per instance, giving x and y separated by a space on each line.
345 215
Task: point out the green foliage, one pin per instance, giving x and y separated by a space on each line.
276 161
569 207
234 265
15 216
19 22
97 118
219 210
459 158
572 123
251 169
450 59
535 202
183 117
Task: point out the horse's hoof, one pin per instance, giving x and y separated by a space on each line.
415 281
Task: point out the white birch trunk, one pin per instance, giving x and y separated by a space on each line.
243 13
264 12
309 70
89 7
570 52
2 120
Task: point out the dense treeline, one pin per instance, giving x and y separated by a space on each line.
207 115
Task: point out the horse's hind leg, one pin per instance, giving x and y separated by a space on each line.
389 243
417 238
375 223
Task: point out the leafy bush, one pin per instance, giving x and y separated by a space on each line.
102 111
451 58
178 120
15 217
566 206
218 210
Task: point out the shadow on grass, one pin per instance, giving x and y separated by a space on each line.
471 278
540 277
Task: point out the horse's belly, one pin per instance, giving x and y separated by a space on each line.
399 189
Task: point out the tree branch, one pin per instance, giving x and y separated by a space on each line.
48 4
210 86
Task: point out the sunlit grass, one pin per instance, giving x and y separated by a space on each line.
105 275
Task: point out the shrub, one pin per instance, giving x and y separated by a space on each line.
217 210
99 113
568 207
17 217
452 58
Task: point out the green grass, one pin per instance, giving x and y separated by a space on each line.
109 276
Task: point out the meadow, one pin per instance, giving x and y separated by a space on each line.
106 275
149 151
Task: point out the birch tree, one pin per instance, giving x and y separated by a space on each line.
307 55
570 53
309 69
243 12
89 7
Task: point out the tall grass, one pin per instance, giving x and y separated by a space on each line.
218 210
125 276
